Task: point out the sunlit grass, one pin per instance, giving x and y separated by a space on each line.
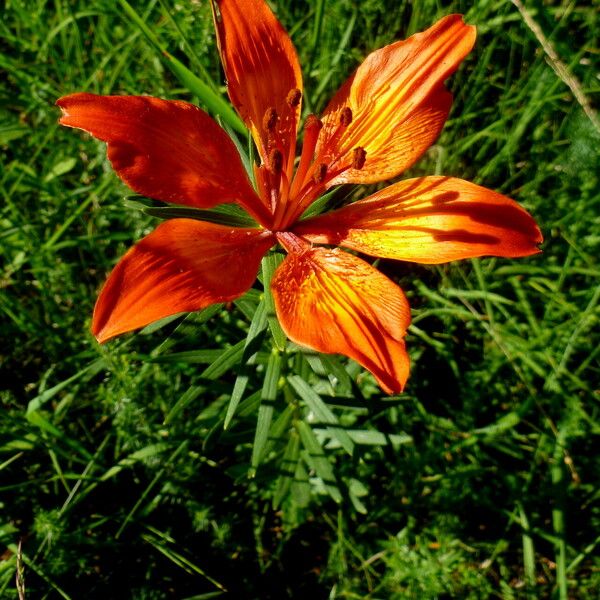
135 457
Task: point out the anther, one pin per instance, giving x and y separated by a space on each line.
320 173
270 119
359 156
275 161
346 116
313 122
293 98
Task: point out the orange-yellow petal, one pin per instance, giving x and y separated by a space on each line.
429 220
263 74
333 302
164 149
183 265
398 104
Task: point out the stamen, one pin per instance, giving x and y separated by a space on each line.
273 177
261 176
320 173
330 147
312 123
346 116
270 119
293 98
359 156
275 161
312 127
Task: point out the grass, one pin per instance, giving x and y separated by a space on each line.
205 457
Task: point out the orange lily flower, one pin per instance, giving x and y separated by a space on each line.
378 124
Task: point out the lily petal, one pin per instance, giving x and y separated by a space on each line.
333 302
263 74
429 220
165 149
398 104
183 265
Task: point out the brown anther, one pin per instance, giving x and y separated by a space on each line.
293 98
270 119
346 116
359 156
275 161
312 121
320 173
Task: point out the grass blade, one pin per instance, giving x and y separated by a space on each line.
208 97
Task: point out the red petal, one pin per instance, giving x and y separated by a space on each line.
164 149
331 301
429 220
263 73
398 103
184 265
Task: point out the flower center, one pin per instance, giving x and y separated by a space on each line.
317 167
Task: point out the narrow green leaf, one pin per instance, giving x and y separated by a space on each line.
507 421
322 411
211 216
165 212
249 405
87 372
133 458
265 410
288 466
224 362
280 428
357 490
300 489
248 302
157 478
178 559
315 42
559 485
317 459
186 398
340 52
335 369
257 326
36 418
528 548
214 411
202 357
319 205
269 263
157 325
365 437
190 53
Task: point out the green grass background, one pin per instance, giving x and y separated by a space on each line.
116 473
